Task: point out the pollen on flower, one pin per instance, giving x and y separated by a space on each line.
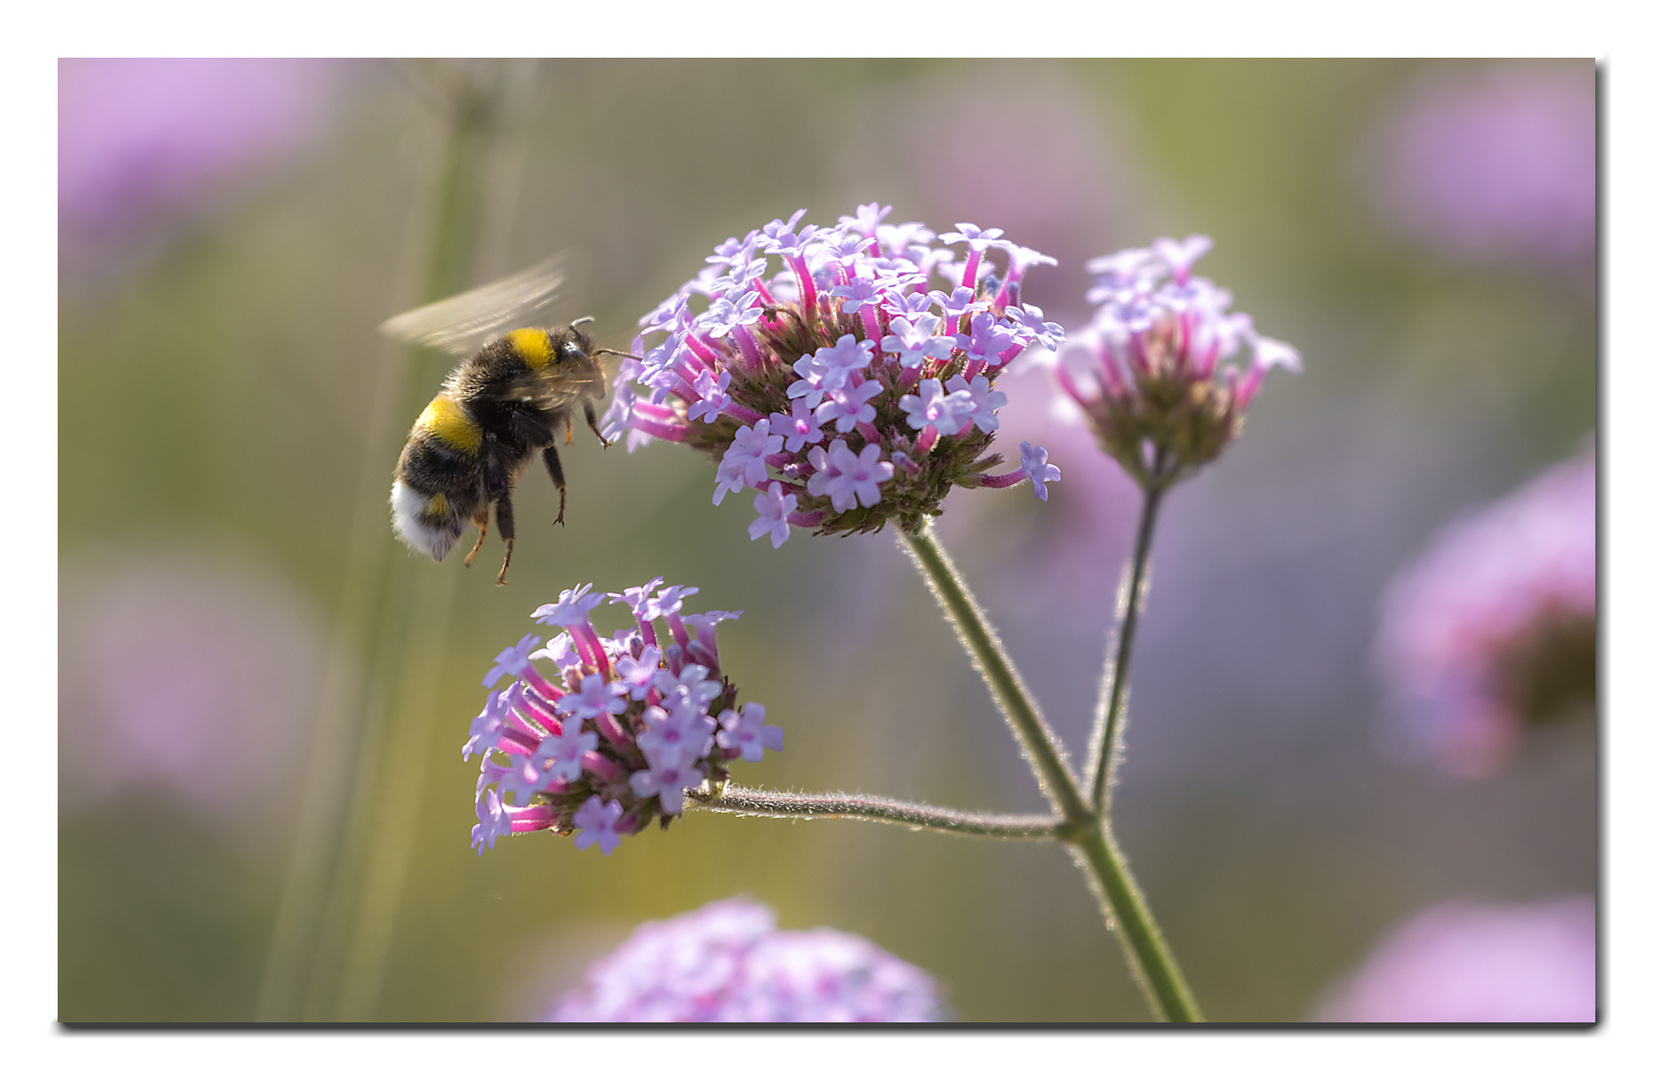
796 341
1156 371
634 723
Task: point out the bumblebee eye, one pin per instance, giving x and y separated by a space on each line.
572 351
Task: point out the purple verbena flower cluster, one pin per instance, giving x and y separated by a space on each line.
1155 370
726 963
1494 627
638 719
843 389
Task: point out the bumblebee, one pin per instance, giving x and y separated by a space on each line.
510 399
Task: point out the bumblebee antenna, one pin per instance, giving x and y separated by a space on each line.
617 352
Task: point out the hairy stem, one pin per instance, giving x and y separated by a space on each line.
1126 910
1124 907
732 799
1110 714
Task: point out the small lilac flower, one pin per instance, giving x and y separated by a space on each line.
558 756
668 601
1039 470
683 734
572 608
981 403
911 343
667 781
727 963
774 507
693 684
1180 256
597 823
986 341
856 294
948 413
849 405
512 661
637 673
712 389
493 721
743 463
1493 629
1463 963
637 598
595 695
745 731
848 478
799 426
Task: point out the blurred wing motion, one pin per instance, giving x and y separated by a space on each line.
462 324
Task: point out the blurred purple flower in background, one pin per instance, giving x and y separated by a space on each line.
1460 962
195 676
142 139
1494 626
726 963
1496 167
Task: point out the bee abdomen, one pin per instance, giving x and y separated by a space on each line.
438 478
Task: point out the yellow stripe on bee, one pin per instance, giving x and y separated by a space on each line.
437 506
534 346
444 418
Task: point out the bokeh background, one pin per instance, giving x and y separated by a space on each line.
262 696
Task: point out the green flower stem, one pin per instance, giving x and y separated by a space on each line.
1145 947
1039 744
1123 904
751 802
1110 716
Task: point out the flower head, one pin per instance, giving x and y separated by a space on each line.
632 725
836 356
1156 371
1462 962
1494 628
726 963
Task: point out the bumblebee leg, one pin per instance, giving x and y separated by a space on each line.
553 463
482 534
591 422
507 530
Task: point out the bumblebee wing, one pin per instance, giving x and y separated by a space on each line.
463 324
563 388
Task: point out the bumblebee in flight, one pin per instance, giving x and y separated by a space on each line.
513 395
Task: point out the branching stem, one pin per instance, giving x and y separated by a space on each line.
751 802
